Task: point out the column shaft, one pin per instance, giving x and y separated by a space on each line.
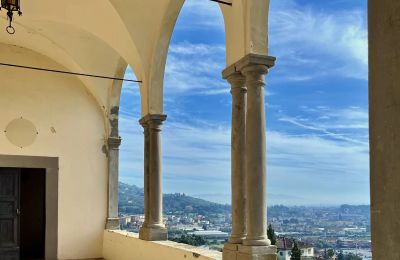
146 186
113 157
153 228
238 157
256 157
155 175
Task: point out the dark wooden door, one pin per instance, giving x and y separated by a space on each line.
9 213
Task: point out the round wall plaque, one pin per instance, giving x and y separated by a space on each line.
21 132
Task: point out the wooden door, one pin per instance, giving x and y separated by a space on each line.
9 213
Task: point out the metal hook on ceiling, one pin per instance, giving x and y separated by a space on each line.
10 29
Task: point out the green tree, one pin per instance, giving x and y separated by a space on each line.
352 256
330 253
296 252
341 256
271 234
190 240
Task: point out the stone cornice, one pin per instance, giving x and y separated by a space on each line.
248 60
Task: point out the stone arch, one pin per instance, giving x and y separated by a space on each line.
154 86
72 58
244 33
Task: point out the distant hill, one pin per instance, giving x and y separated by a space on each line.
131 200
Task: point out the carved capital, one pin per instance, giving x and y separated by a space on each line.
249 69
113 120
114 142
152 121
237 81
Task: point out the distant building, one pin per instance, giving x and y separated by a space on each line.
285 246
124 220
210 234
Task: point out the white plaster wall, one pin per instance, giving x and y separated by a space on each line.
63 103
285 256
121 245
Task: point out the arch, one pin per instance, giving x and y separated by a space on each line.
159 57
98 17
244 33
67 54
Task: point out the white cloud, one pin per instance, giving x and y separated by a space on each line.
187 48
195 69
321 171
312 43
201 15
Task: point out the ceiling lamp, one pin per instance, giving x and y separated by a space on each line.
11 6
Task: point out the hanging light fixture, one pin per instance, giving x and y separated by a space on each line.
11 6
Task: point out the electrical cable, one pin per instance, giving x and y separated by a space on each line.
68 72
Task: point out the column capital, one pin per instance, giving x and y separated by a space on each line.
250 67
152 118
255 61
114 142
236 79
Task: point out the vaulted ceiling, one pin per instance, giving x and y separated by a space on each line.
103 36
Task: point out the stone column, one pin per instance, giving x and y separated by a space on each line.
113 156
238 157
256 245
153 228
238 163
113 142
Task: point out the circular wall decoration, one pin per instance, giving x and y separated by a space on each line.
21 132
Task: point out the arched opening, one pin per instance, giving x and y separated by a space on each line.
197 102
131 195
317 124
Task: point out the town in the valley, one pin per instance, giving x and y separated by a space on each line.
323 232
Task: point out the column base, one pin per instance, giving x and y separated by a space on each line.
256 241
236 239
113 224
256 252
230 251
153 233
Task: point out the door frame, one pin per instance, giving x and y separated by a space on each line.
50 164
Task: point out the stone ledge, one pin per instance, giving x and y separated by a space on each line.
123 245
153 234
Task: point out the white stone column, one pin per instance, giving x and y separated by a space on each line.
238 157
113 143
256 245
113 157
153 228
238 161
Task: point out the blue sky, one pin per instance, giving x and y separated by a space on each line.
316 106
